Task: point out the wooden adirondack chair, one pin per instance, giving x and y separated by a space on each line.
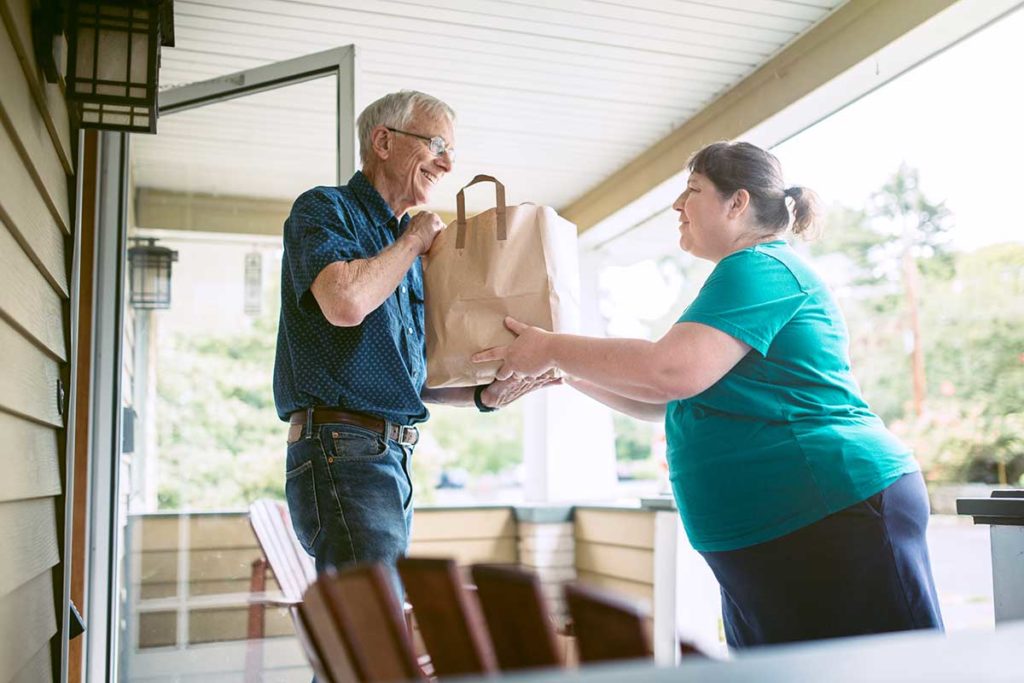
356 626
517 617
607 627
449 618
294 570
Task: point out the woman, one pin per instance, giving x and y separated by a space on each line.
809 512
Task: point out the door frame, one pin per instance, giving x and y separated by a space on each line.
340 61
104 531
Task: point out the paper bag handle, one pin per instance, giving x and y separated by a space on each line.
499 205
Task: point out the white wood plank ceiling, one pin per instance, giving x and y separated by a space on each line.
552 97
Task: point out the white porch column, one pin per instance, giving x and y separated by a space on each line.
568 438
569 448
687 600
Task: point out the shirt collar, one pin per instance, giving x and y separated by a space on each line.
379 210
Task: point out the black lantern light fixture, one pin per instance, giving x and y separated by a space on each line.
114 59
150 274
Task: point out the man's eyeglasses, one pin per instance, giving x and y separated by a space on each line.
437 144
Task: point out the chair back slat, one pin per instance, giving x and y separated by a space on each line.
449 619
322 639
606 626
356 622
517 617
292 567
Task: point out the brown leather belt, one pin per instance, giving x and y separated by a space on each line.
406 436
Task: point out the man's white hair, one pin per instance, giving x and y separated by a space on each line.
396 110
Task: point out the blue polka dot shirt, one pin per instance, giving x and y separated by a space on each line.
377 367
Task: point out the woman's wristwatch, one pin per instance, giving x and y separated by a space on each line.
480 405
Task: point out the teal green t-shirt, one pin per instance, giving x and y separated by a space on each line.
784 439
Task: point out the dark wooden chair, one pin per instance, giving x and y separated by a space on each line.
606 626
517 617
323 635
449 619
691 650
356 625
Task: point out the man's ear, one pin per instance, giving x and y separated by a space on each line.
380 142
738 203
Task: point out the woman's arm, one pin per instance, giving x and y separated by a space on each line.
651 412
686 361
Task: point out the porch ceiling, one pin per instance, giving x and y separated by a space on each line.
553 98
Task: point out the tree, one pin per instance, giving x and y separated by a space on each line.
900 234
918 230
975 351
228 457
893 271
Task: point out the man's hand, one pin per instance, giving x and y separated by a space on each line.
501 392
425 226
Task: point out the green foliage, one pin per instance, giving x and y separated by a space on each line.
632 438
955 443
849 233
221 444
975 359
480 443
971 309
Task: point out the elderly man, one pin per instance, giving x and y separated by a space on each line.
350 364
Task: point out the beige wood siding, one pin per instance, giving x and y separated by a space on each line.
615 550
36 212
469 535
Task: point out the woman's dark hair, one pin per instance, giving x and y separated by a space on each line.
733 166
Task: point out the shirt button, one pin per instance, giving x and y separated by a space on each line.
410 330
403 289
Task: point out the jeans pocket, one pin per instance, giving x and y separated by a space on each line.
300 492
353 443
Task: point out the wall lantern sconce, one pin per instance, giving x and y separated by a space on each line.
114 60
150 274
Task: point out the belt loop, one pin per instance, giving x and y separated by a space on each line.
309 422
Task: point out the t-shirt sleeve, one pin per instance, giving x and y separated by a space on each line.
749 296
316 234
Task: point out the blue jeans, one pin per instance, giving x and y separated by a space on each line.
864 569
350 496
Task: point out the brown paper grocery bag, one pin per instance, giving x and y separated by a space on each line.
520 261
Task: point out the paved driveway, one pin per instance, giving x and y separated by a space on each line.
962 564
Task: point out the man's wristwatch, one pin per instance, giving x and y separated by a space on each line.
480 405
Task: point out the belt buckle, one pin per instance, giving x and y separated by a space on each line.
408 435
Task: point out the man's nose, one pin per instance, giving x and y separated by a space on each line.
445 161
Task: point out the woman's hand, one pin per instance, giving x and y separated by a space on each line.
527 356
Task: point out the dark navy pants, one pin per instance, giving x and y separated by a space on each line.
861 570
